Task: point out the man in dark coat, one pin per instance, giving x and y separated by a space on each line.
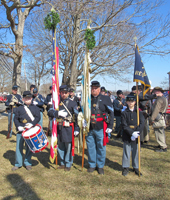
23 119
13 100
38 100
67 113
48 102
118 104
73 97
101 124
103 90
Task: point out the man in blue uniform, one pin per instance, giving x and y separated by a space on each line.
48 102
101 124
38 100
68 112
103 90
31 88
74 98
131 131
14 100
118 104
23 119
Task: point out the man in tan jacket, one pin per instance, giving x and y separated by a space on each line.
157 118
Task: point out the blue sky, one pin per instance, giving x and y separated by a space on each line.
156 68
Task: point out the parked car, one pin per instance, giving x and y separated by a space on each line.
3 98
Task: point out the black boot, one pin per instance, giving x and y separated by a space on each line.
125 171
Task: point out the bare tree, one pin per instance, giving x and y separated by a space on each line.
38 67
5 75
16 13
115 23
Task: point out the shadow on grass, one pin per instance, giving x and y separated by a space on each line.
10 155
23 190
115 142
5 132
43 157
78 160
114 165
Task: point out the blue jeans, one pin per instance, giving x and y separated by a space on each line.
51 123
65 154
9 118
19 153
96 150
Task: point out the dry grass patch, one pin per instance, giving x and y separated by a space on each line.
45 182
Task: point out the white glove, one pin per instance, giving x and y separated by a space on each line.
11 103
133 138
62 113
84 123
35 103
108 130
76 133
135 134
15 100
28 125
20 128
50 102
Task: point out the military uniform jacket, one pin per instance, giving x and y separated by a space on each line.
40 100
47 100
129 118
100 105
159 106
65 133
21 117
15 106
118 106
76 99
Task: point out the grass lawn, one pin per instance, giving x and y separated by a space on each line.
45 182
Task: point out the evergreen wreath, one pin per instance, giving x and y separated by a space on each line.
51 20
90 39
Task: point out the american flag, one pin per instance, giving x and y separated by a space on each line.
55 95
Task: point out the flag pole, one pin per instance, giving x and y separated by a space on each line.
90 43
50 22
137 107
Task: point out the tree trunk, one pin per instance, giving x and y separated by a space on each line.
73 76
16 79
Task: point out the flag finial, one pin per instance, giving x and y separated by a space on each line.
135 38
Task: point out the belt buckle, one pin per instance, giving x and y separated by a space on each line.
131 126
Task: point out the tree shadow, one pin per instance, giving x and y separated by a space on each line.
23 190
